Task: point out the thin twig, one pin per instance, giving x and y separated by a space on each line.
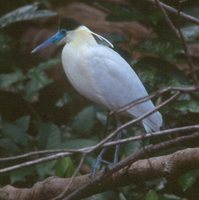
92 148
107 144
180 36
187 52
138 119
154 134
126 107
184 16
155 94
168 20
38 153
34 162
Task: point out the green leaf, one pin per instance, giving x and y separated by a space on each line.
44 169
23 122
15 133
8 79
49 136
9 146
187 106
151 195
54 139
84 121
188 179
64 167
164 48
38 81
157 73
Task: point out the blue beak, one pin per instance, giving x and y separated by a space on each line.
52 40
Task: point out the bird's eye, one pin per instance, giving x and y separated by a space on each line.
63 31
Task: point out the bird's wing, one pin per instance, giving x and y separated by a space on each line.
114 78
117 83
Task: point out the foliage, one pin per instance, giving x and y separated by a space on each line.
27 12
30 84
187 180
36 116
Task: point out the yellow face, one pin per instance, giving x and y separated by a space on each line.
80 36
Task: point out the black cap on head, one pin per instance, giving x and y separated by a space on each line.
69 24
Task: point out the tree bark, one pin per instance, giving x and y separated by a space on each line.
162 166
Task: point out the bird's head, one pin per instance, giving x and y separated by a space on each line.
77 34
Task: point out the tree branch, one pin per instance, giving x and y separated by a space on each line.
178 33
155 94
148 150
162 166
127 171
92 148
174 11
60 153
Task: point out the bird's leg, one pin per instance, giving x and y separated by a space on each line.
99 159
117 148
97 163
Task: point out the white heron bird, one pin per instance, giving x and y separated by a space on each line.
100 74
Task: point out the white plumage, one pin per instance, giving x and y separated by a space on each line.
103 76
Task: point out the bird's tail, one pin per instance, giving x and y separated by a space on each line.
153 122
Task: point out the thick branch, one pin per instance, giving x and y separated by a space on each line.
148 150
162 166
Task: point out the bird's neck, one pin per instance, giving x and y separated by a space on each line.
81 37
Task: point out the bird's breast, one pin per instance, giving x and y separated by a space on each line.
80 73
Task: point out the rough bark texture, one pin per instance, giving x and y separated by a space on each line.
162 166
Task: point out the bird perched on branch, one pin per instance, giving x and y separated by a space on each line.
100 74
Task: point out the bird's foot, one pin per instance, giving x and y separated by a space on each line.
97 165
